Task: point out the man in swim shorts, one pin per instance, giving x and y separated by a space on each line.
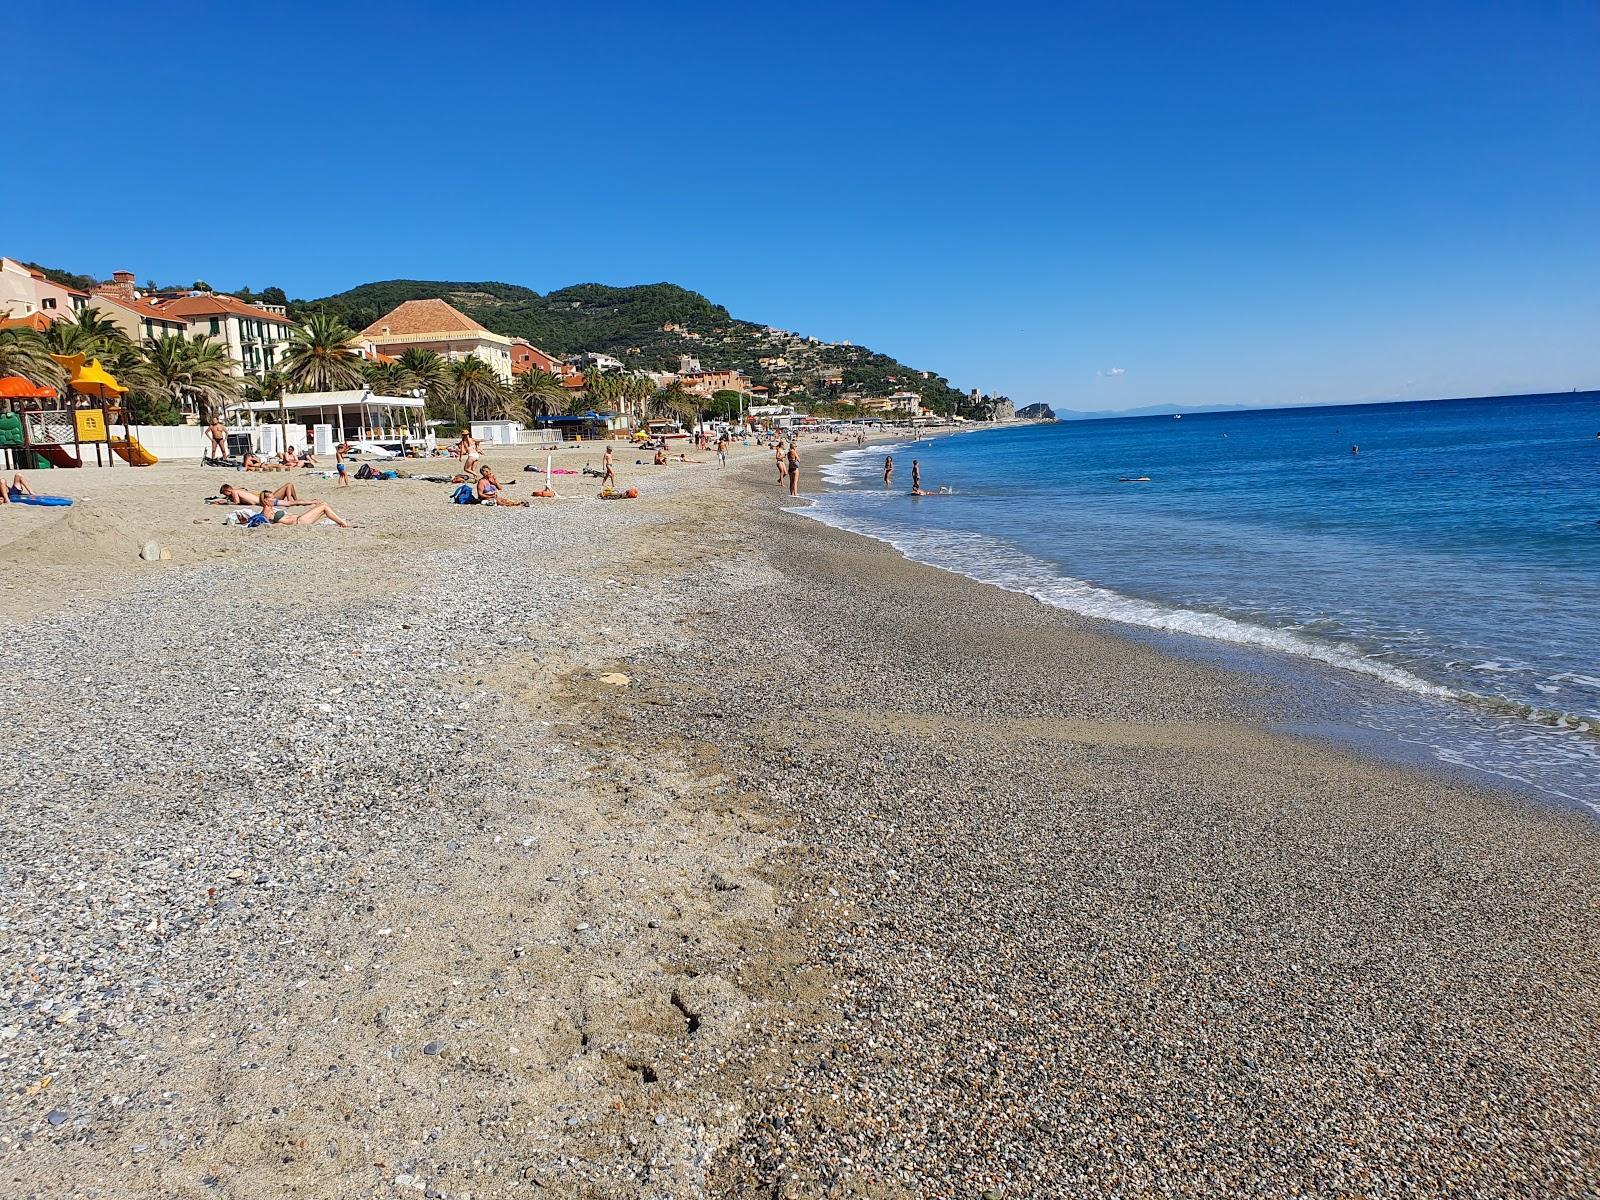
17 489
284 496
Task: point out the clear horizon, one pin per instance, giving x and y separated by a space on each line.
1097 210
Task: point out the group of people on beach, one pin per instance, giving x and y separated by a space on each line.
275 505
916 478
787 455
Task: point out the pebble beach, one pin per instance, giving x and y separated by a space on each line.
685 847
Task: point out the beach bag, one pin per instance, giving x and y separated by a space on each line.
463 494
366 472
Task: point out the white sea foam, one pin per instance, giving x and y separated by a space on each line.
862 462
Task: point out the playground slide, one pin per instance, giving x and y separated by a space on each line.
131 451
57 456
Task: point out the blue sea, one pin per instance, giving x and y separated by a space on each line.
1426 575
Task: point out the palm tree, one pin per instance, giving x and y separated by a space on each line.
539 392
196 372
428 372
271 387
89 334
320 357
388 378
676 401
23 352
147 400
475 390
602 388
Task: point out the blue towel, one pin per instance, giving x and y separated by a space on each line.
464 494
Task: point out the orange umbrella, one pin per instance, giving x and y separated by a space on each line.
15 387
95 380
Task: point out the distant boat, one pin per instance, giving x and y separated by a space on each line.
1177 416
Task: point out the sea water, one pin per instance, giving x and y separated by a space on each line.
1434 565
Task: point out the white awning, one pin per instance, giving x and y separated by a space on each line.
355 398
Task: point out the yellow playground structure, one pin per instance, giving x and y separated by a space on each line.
41 435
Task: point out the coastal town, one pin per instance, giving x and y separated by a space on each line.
191 359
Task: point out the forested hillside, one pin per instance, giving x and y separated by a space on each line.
649 326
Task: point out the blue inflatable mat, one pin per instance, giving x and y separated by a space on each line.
42 501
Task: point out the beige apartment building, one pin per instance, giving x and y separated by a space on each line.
256 335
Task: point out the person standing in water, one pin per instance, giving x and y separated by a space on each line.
888 469
916 476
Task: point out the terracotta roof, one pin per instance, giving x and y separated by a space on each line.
143 307
416 317
208 305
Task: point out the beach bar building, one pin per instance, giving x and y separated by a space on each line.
356 416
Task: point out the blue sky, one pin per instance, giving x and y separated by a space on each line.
1096 206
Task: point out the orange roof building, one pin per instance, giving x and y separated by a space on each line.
438 326
257 336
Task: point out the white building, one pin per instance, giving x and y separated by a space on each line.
442 328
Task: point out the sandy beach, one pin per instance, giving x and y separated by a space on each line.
685 847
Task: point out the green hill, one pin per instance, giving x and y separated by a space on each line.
648 327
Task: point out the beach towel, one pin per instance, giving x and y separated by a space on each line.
464 494
40 501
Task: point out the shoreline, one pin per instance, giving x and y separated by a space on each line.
1331 683
1126 899
868 876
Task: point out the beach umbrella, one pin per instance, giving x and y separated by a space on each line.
94 380
15 387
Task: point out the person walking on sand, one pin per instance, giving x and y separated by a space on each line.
916 476
340 452
722 450
794 469
609 477
783 468
888 469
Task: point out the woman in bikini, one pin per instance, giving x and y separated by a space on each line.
489 490
273 515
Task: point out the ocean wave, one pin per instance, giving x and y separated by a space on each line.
994 561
